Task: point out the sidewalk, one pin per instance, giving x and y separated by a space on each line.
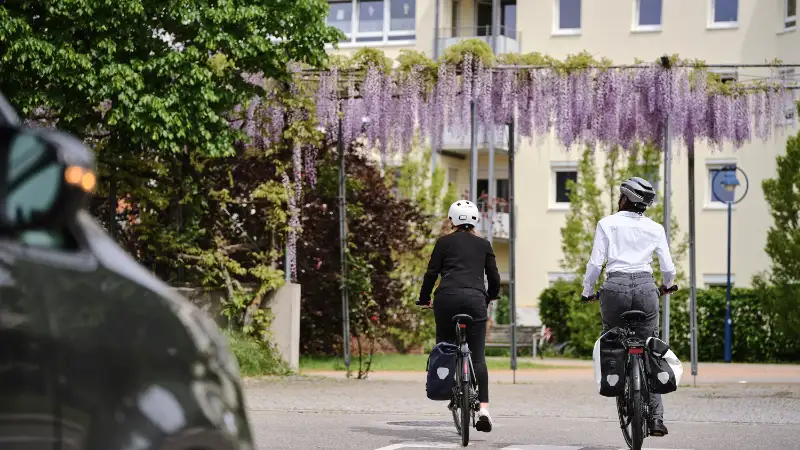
707 373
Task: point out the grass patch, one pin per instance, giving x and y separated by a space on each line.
255 357
400 362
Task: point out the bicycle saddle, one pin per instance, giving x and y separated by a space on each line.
633 316
463 318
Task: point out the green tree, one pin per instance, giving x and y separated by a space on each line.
645 160
577 235
153 87
783 239
426 189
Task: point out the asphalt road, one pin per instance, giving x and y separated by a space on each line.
323 413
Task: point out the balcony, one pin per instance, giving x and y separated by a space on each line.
508 41
500 224
453 141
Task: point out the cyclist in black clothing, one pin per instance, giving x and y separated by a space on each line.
462 258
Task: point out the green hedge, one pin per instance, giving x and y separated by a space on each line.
755 338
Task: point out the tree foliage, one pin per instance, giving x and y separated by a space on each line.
416 183
380 227
782 194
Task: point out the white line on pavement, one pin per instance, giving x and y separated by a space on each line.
419 445
556 447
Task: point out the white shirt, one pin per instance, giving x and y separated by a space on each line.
627 241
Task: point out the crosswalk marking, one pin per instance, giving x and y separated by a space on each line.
568 447
413 445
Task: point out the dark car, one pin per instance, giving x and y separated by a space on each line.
95 352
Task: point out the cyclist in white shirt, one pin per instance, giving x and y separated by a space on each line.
626 241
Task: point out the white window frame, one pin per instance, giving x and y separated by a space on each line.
555 167
714 25
718 280
716 164
553 277
385 34
637 28
789 22
557 30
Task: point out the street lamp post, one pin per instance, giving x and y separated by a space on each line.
730 183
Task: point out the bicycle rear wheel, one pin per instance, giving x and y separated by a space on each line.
466 413
637 421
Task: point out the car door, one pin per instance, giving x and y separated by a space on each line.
28 400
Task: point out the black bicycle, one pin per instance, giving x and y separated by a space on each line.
633 406
464 402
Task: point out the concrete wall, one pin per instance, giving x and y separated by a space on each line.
284 304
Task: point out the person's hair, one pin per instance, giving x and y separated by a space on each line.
630 206
466 228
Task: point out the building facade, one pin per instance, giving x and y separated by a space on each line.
716 31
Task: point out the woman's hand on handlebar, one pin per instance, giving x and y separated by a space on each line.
423 304
590 298
663 290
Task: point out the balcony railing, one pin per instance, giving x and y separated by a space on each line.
500 224
452 140
508 40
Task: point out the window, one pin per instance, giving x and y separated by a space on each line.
724 13
374 20
554 277
563 173
501 193
718 280
568 17
790 14
648 15
718 196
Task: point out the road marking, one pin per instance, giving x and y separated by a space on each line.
571 447
419 445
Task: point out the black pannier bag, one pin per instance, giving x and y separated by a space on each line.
441 371
610 359
664 368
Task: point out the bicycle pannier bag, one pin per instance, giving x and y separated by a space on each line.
664 367
610 359
441 371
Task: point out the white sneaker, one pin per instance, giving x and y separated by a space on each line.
484 421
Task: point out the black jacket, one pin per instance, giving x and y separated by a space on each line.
461 258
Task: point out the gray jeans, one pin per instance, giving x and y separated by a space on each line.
624 292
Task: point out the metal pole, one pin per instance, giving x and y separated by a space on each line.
343 247
728 319
665 62
692 267
473 153
512 236
495 25
492 188
436 31
667 218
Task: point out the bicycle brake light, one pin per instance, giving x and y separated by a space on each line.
462 325
635 351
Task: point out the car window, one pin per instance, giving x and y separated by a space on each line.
49 239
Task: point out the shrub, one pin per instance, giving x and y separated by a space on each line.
255 357
756 338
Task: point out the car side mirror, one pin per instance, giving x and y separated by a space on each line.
45 177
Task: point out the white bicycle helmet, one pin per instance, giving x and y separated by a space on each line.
464 212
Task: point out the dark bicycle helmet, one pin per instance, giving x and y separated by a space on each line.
638 191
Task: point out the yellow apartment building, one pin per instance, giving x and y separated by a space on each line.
717 31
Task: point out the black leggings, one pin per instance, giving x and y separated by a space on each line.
465 301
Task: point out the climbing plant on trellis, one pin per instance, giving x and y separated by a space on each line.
582 100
